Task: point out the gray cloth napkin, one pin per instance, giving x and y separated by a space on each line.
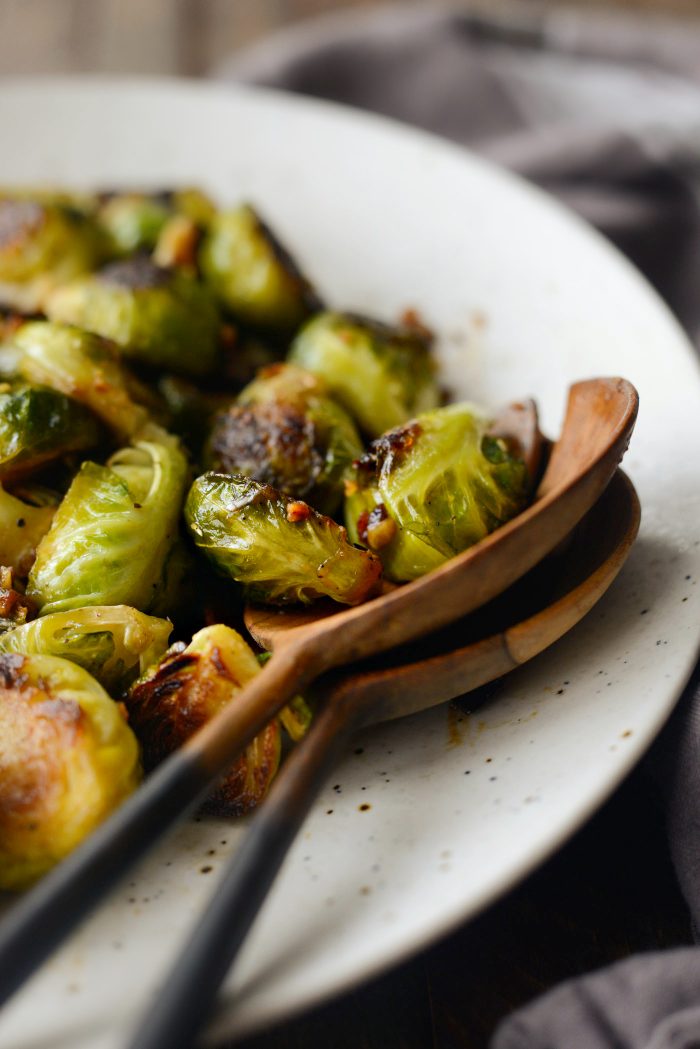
604 112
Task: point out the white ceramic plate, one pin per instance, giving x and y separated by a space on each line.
526 299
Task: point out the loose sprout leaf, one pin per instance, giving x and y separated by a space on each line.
109 641
67 756
189 687
84 367
22 527
441 482
381 375
163 318
280 549
114 530
252 275
38 424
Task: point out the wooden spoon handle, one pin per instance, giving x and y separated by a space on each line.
183 1003
44 916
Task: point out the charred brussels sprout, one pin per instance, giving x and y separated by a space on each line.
252 275
84 367
161 317
67 756
280 549
112 534
37 425
287 432
189 687
381 375
111 642
428 490
42 244
23 525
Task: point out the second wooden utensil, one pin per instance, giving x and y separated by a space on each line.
514 628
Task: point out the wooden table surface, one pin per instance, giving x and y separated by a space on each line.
611 891
189 37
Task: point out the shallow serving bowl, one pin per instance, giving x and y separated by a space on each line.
526 300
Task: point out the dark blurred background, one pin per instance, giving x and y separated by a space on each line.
190 37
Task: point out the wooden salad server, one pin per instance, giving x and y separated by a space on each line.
599 420
512 629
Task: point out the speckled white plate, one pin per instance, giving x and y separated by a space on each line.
526 299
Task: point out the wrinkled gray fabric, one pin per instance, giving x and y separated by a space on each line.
593 110
605 113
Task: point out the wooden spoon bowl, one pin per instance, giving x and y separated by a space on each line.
599 421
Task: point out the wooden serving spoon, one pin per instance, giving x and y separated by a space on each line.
599 421
512 629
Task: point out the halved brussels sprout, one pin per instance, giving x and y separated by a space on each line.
42 244
381 375
16 608
188 688
252 275
22 527
68 758
280 549
84 367
108 641
38 424
113 532
428 490
164 318
287 432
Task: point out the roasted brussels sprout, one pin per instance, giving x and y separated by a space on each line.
164 318
84 367
280 549
113 532
67 756
132 221
23 525
38 424
381 375
252 275
189 687
285 431
16 608
109 641
42 244
429 489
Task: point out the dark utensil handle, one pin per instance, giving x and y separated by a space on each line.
38 922
44 916
182 1006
